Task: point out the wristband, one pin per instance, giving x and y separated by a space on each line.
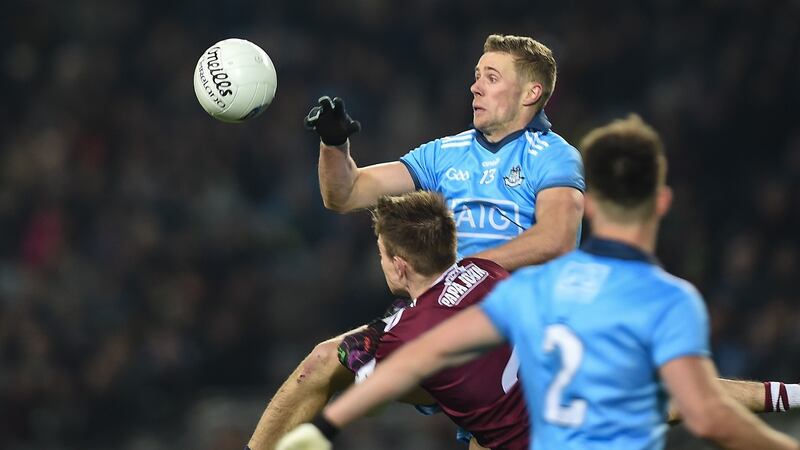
327 429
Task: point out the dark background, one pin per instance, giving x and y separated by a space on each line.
162 272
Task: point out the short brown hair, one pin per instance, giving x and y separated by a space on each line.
419 228
625 165
532 59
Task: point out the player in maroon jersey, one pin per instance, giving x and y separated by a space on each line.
482 396
417 244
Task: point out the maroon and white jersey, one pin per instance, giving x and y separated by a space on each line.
482 396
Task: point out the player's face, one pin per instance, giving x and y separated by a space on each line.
497 105
394 279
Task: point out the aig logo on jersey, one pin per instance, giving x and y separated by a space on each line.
456 174
486 218
514 177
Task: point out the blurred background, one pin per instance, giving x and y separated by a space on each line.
161 273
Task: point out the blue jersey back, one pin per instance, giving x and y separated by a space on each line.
591 329
492 187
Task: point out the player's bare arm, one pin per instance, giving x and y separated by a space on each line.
346 187
343 185
749 394
558 216
304 393
711 414
444 346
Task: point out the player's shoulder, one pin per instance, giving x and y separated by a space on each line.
531 273
554 269
549 144
673 282
491 267
674 287
462 140
459 139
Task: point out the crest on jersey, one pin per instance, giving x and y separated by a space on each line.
514 177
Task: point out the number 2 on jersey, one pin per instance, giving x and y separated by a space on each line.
561 337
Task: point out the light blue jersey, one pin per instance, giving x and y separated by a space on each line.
492 188
592 329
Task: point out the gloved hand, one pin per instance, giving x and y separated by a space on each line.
316 435
331 121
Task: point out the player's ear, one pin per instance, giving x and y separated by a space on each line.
532 94
400 266
663 200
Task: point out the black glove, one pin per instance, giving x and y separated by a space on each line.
331 121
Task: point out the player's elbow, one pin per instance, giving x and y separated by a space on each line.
702 428
321 368
564 246
337 201
560 245
335 205
710 422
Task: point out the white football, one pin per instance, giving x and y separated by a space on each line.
234 80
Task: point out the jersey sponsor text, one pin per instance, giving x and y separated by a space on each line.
460 282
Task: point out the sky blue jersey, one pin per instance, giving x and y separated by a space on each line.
492 188
591 329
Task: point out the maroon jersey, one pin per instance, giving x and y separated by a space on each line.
482 396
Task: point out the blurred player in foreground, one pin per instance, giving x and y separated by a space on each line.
597 330
514 186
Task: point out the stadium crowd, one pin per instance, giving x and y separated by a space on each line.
161 271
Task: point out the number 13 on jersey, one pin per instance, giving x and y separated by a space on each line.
488 176
561 337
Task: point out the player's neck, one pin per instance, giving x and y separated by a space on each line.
503 131
418 284
497 136
639 235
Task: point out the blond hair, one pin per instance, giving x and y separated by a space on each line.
532 59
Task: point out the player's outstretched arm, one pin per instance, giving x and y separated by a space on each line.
343 185
308 389
558 217
446 345
755 396
303 394
711 414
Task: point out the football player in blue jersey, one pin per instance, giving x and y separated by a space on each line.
514 185
603 333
